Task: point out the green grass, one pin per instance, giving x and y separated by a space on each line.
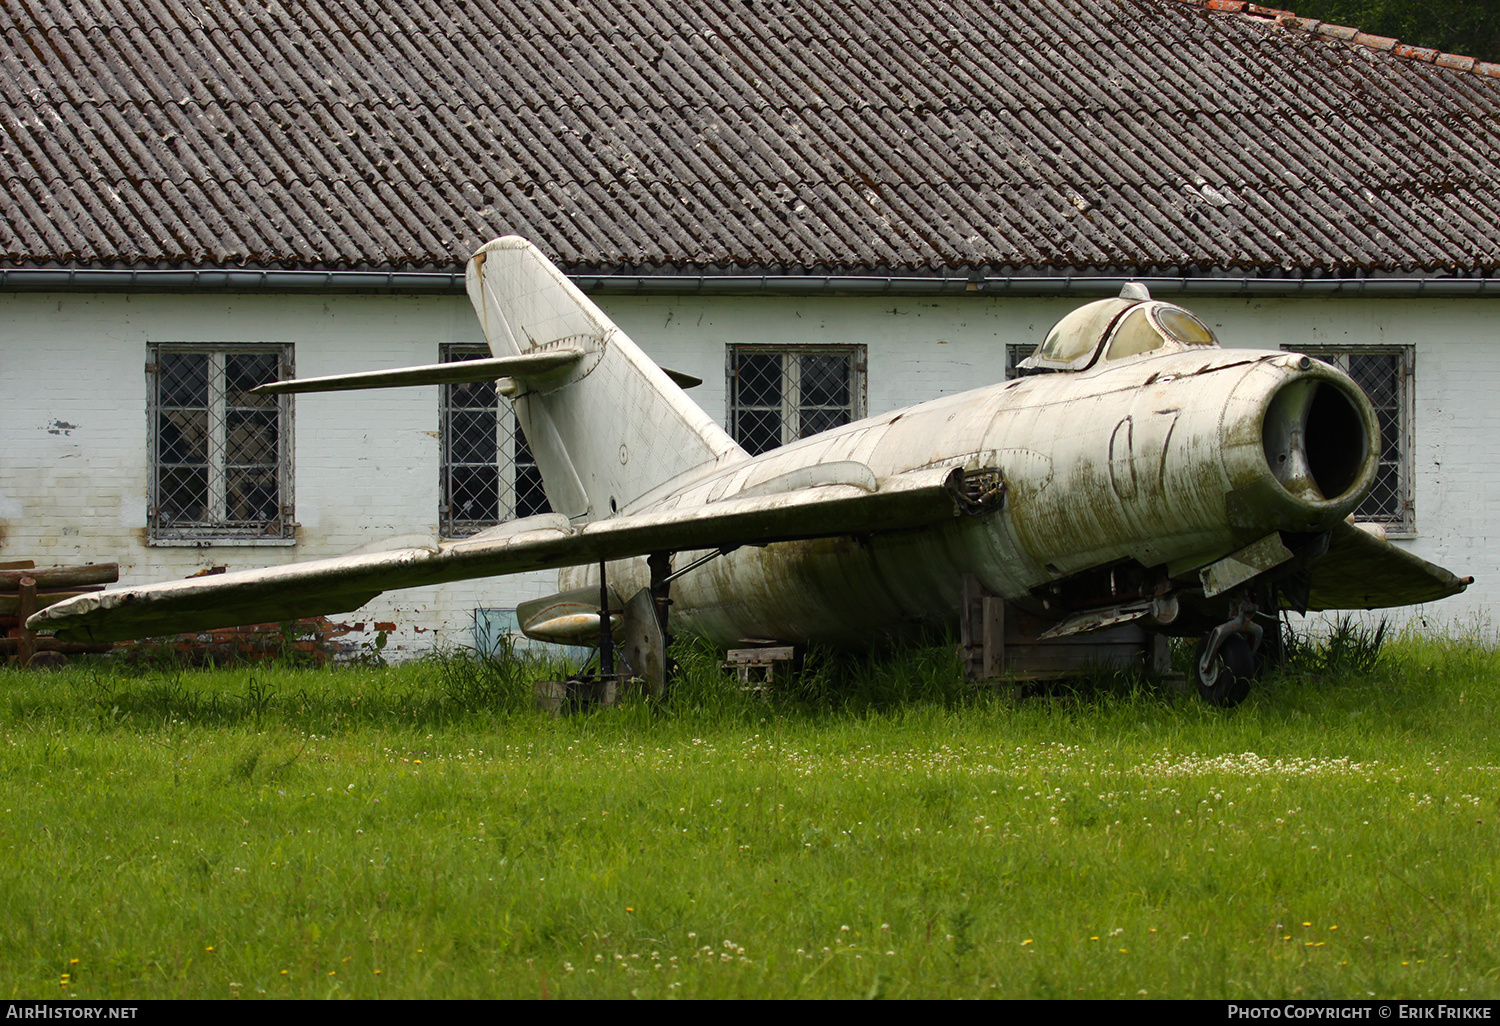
878 830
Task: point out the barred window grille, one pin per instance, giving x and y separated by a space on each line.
1386 374
220 457
488 473
778 394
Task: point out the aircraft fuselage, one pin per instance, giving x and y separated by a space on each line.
1165 461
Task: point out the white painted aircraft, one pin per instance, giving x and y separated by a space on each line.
1136 472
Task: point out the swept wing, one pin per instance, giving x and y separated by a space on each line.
916 499
1361 571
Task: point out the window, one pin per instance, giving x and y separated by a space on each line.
1386 374
778 394
220 457
1014 354
488 473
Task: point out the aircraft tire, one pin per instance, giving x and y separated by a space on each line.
1228 680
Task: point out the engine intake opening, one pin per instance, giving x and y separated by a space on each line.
1315 440
1336 444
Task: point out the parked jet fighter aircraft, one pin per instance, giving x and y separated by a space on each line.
1135 472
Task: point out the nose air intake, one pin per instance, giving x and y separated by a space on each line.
1317 441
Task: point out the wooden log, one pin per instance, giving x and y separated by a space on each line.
45 644
10 604
26 638
59 576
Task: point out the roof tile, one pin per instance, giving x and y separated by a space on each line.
894 136
1375 42
1416 53
1337 31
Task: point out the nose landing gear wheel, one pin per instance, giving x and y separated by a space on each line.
1226 682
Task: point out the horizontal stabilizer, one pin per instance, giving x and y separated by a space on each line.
457 372
571 618
1361 571
916 499
682 379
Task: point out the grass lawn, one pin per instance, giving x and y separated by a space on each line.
420 831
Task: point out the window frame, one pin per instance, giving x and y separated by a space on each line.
512 453
1403 524
791 390
218 529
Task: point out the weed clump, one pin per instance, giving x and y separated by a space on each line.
500 680
1348 647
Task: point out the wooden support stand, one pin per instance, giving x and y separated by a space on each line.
579 694
757 668
982 632
999 642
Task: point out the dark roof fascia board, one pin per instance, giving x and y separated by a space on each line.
96 279
1031 285
239 280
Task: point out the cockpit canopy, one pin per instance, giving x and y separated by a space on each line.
1129 325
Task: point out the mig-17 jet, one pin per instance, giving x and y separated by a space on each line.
1135 472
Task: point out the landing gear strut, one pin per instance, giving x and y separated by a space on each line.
1224 679
1224 663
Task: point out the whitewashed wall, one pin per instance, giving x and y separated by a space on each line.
73 454
366 464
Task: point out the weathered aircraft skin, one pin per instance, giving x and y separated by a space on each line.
1137 472
1162 462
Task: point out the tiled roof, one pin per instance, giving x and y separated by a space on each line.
790 136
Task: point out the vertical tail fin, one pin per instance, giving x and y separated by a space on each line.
607 428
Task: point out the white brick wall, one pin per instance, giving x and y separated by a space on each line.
73 453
